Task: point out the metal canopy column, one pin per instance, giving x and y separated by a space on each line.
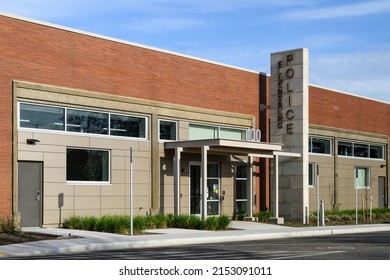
249 183
204 181
176 177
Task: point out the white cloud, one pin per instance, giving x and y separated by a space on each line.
342 11
359 73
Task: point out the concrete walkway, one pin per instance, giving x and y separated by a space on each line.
243 231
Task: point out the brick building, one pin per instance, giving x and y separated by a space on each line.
74 105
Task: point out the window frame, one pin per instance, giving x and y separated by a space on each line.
66 132
217 131
241 179
321 138
369 145
131 116
40 129
367 177
78 182
176 130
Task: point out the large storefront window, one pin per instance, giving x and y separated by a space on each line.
84 165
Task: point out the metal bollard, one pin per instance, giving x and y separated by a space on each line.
322 214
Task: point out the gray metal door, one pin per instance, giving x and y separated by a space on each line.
30 193
381 192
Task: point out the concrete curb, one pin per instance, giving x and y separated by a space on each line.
94 241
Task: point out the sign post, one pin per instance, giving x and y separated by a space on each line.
317 180
131 190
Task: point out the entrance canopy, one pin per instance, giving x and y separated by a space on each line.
223 147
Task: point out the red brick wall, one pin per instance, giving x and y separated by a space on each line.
35 53
332 109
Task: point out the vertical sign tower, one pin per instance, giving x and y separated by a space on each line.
290 126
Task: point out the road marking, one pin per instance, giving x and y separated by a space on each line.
308 255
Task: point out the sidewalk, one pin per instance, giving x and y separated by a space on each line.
94 241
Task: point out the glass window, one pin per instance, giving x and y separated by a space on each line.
311 174
213 170
87 122
376 151
197 132
167 130
87 165
41 117
319 145
360 150
362 177
232 133
241 189
345 149
127 126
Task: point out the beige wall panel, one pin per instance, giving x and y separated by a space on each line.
24 135
109 202
55 160
120 153
87 212
62 139
54 175
118 162
114 211
87 190
140 164
30 156
114 190
53 189
139 190
52 202
41 148
87 202
141 201
119 177
183 130
110 141
144 146
140 177
53 218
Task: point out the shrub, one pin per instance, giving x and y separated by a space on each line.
263 216
121 223
8 225
223 222
211 223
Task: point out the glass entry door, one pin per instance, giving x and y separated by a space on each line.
195 193
213 189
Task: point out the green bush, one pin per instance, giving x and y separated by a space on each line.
121 223
263 216
348 216
8 225
223 222
211 223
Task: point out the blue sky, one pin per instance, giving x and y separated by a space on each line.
348 40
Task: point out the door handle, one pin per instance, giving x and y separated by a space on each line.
38 197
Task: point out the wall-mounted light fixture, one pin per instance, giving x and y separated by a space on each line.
32 141
383 165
